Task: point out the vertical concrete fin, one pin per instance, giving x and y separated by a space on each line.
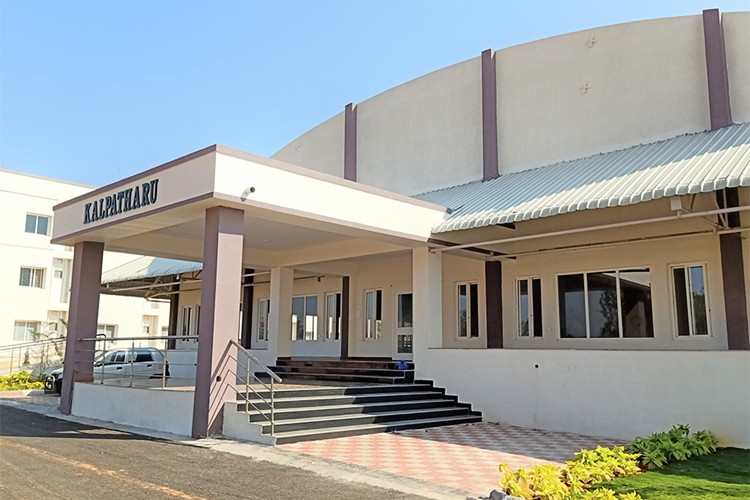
716 70
350 142
490 167
345 317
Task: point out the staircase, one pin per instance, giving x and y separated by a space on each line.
359 397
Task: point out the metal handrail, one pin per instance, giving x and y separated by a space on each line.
249 374
37 343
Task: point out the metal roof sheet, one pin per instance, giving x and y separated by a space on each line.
688 164
148 267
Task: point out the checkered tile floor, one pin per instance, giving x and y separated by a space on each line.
460 456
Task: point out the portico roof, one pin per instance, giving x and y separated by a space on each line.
292 214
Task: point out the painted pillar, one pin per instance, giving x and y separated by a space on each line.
350 142
345 316
490 162
732 261
493 288
219 319
174 314
82 318
280 315
427 286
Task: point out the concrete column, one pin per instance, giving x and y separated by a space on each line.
219 319
427 286
493 291
82 318
345 317
280 315
350 142
490 162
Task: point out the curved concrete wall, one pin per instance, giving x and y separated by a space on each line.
558 99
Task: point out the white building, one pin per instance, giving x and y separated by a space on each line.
35 275
556 232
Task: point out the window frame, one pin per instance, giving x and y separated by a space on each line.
378 319
587 313
106 327
261 325
34 273
36 223
533 313
469 307
338 304
29 325
305 315
673 299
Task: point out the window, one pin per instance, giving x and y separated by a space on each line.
529 293
106 330
23 331
373 314
264 308
143 356
333 316
305 318
691 304
608 304
37 224
187 315
31 276
197 321
404 323
468 310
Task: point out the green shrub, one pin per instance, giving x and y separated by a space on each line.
547 482
676 444
20 381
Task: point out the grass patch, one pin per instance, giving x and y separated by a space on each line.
721 475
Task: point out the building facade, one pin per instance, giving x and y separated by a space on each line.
556 232
36 274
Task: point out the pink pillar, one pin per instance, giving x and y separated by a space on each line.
82 318
219 319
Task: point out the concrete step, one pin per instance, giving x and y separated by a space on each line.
282 392
344 399
355 430
357 378
349 420
349 409
360 363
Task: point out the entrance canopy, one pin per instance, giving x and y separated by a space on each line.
292 215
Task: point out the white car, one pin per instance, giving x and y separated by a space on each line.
140 362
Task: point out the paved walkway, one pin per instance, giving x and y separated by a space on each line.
465 456
458 458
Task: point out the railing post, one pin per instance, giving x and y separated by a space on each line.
132 358
273 418
164 370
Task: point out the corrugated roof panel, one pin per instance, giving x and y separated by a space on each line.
148 267
688 164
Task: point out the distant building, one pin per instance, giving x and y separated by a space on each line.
35 275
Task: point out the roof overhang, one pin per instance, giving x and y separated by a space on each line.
290 211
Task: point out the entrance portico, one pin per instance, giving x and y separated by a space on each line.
231 211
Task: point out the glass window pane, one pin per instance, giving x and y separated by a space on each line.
298 315
603 317
25 278
698 300
536 297
263 319
635 302
462 311
311 317
31 223
681 301
523 308
572 306
41 226
404 310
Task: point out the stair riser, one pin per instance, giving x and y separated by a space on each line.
361 399
289 370
378 365
348 391
353 410
363 379
390 428
325 423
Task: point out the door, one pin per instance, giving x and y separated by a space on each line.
404 334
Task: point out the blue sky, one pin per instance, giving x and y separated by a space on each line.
93 91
